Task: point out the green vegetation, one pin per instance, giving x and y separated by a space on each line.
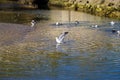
4 1
57 3
100 8
97 7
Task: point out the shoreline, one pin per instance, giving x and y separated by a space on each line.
109 10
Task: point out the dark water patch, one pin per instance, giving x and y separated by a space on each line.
20 17
14 17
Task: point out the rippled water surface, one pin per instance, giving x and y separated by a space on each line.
88 53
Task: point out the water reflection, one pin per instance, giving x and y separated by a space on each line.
89 53
20 17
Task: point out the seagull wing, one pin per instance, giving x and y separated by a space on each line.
62 36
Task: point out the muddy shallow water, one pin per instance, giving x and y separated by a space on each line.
88 53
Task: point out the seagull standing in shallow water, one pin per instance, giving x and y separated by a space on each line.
32 23
112 23
95 26
58 24
118 32
77 22
61 37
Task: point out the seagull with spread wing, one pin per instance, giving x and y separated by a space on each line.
61 37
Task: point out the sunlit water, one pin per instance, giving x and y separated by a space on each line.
87 53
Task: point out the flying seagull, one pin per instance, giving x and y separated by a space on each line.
61 37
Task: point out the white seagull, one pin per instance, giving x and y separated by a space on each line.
60 39
58 24
95 26
77 22
112 23
32 23
118 32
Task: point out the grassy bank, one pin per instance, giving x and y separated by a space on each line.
109 10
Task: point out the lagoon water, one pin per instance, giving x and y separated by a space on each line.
88 53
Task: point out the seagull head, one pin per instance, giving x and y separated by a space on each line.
65 33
